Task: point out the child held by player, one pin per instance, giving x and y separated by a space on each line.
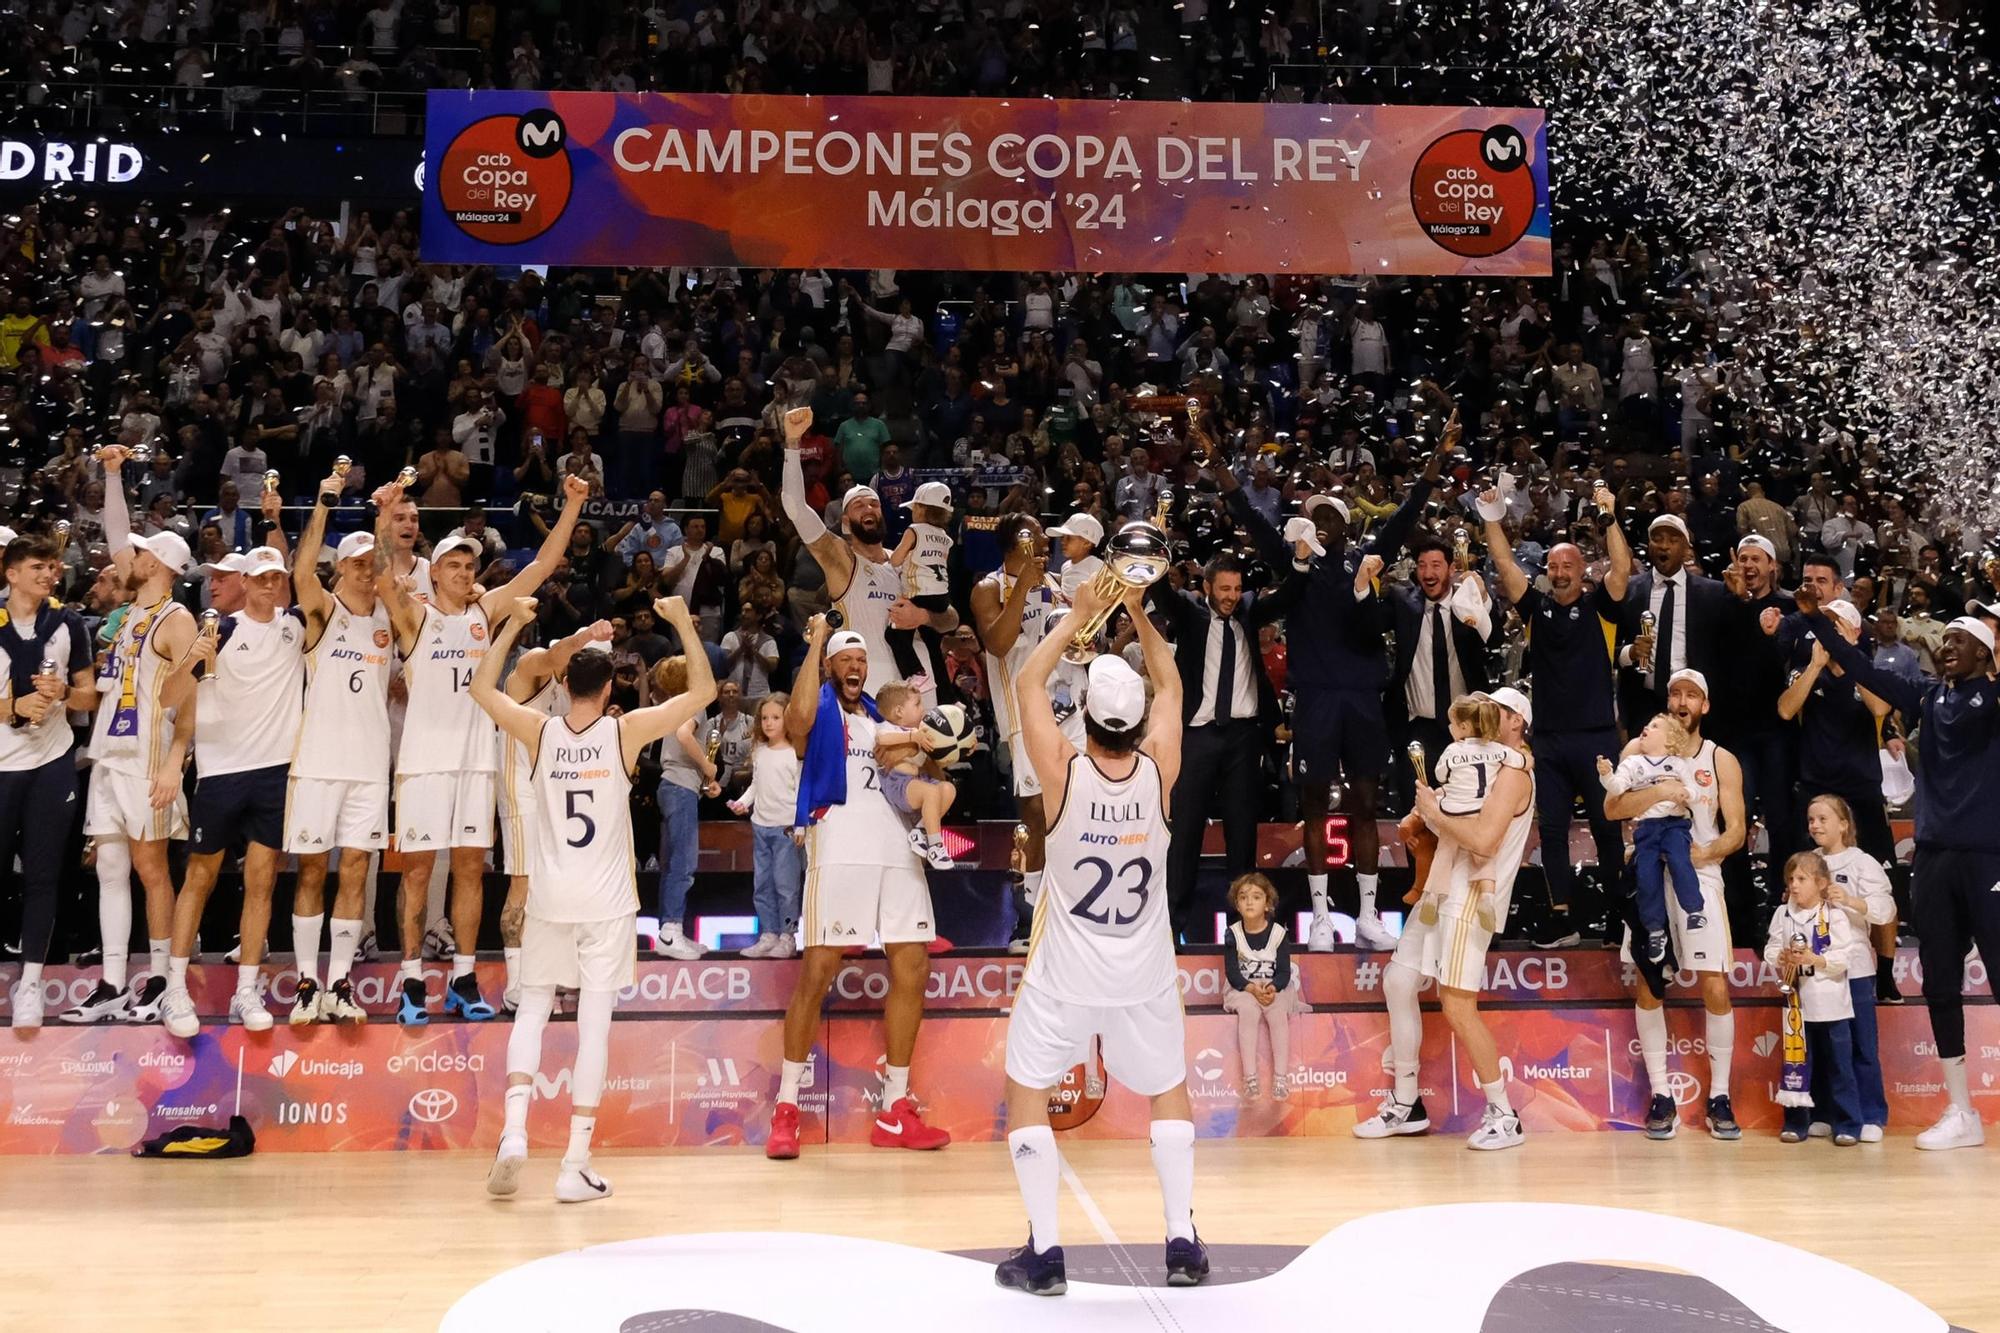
1810 943
1467 770
771 801
924 559
1662 833
911 781
1862 892
1262 986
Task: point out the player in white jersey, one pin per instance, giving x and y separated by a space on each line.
1013 608
244 717
1451 950
866 589
536 682
863 881
405 528
1717 825
38 800
337 793
582 924
1101 966
133 730
449 756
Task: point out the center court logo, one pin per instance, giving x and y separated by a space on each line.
433 1106
507 179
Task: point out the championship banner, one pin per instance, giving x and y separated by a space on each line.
716 180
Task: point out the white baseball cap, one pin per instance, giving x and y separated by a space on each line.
1761 542
1081 525
1115 697
263 560
1693 677
168 548
1301 529
458 543
355 543
233 563
1977 628
845 640
1846 611
1971 608
7 536
858 493
933 493
1513 701
1338 505
1668 521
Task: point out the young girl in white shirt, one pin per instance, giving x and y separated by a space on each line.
1861 891
1809 943
771 801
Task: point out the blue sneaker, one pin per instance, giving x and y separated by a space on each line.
414 1009
462 997
1037 1274
1187 1262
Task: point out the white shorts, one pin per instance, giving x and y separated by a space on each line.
1144 1044
121 806
847 906
439 810
1026 783
322 814
1706 949
1451 951
582 955
517 842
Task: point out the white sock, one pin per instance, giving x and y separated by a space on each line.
1173 1159
518 1097
1721 1051
461 965
410 969
1954 1082
305 944
161 951
31 975
114 909
1316 886
343 942
177 973
246 977
1031 885
790 1074
1496 1095
895 1085
513 957
581 1127
1406 1028
1367 884
1038 1170
1653 1046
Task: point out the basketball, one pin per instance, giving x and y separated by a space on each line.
950 731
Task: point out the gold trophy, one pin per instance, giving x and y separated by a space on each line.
1461 551
407 478
211 622
341 465
62 534
1137 556
272 481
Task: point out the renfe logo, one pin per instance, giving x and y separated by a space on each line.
111 163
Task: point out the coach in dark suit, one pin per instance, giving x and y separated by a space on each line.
1692 616
1229 712
1438 656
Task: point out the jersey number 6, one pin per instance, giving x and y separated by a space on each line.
1135 879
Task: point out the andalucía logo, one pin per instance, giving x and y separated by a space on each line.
1474 190
506 179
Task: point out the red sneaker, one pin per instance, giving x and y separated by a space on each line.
783 1145
901 1127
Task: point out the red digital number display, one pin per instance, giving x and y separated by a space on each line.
1335 833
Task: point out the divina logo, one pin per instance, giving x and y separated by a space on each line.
507 179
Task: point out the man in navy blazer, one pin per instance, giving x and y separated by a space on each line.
1691 629
1417 701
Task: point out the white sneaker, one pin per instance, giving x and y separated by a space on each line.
939 858
337 1003
1871 1133
1819 1129
786 947
504 1176
766 945
305 1005
146 1000
1956 1128
440 944
1370 933
1498 1129
102 1005
364 951
28 1005
1394 1119
671 943
247 1007
1320 939
177 1013
580 1184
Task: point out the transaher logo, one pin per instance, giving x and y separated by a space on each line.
507 179
1473 191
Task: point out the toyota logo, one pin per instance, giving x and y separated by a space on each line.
433 1106
1685 1087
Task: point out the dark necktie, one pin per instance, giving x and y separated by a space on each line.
1225 674
1663 647
1440 665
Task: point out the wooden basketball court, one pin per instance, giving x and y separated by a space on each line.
392 1240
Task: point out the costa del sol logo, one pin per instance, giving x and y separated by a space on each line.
507 179
1473 191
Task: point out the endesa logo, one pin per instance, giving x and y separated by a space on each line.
1473 191
506 179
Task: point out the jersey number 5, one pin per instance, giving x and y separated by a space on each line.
1134 880
571 799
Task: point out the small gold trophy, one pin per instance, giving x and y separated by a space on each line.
272 481
341 465
407 478
1418 761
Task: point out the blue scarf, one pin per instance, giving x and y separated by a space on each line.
823 775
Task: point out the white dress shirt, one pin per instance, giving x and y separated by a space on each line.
1417 690
1677 656
1243 688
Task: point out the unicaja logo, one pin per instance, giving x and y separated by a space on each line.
283 1063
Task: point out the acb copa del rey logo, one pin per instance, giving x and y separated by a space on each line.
506 179
1474 190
